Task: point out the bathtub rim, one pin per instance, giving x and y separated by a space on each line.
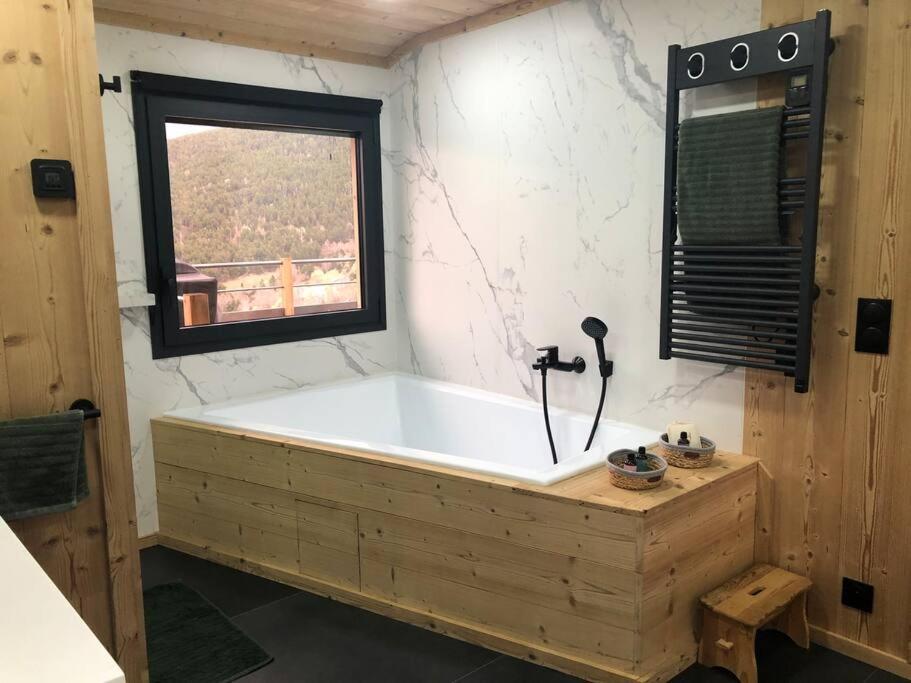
566 469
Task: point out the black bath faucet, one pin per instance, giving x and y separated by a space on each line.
550 359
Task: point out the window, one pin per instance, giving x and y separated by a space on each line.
262 213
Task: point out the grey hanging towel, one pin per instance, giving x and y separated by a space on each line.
727 178
42 465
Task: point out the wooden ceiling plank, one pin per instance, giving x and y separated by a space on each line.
418 11
340 35
489 18
372 32
177 28
303 13
460 8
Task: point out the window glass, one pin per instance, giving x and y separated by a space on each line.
265 222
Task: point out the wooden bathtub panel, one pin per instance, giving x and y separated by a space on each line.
480 507
261 507
328 543
687 552
567 584
584 667
477 507
209 451
523 569
245 542
520 619
245 520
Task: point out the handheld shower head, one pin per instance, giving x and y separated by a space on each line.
597 330
594 328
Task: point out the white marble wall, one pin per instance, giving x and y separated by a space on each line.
156 386
530 156
522 191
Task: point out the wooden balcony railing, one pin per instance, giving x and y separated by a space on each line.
196 309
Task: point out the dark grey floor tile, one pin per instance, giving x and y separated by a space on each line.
880 676
509 670
781 661
702 674
321 641
232 591
318 640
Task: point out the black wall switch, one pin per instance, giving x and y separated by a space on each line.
856 594
53 178
874 322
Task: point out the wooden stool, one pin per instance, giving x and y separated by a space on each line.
763 596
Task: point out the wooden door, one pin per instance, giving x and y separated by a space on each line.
59 320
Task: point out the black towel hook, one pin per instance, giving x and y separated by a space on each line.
113 86
87 407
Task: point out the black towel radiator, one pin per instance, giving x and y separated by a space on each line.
749 306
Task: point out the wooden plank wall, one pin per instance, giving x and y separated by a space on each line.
841 503
59 320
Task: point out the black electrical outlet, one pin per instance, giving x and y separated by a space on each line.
874 322
857 594
53 178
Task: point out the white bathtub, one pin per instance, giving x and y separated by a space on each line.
435 422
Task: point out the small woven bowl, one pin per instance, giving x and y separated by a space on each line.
688 457
635 481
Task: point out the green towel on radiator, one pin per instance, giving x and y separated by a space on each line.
42 465
728 168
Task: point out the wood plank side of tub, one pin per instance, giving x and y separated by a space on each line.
328 543
511 514
591 488
583 667
689 550
560 583
518 619
257 523
547 601
602 595
552 600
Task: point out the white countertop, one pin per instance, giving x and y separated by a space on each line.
42 638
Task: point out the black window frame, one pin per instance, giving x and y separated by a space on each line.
158 98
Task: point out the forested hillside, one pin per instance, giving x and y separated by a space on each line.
244 195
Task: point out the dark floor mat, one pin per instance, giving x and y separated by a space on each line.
191 641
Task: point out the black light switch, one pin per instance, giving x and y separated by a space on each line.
874 321
53 178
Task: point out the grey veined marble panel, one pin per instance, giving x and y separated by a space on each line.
530 160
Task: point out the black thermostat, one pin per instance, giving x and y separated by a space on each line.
53 178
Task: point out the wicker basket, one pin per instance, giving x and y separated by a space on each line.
635 481
687 457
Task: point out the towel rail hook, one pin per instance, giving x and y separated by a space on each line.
87 407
